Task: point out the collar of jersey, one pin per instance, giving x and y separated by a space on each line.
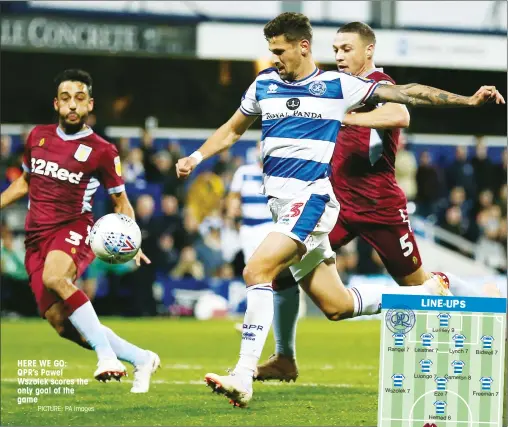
368 73
314 73
78 135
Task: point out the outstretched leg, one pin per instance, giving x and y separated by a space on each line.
57 276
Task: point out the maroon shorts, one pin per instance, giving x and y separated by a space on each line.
71 238
388 232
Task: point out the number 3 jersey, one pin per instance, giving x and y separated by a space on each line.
65 173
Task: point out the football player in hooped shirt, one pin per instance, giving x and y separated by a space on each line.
301 109
372 205
63 166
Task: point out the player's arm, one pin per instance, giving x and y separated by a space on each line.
110 175
387 116
122 205
417 94
15 191
221 139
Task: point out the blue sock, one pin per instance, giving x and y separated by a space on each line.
286 306
125 350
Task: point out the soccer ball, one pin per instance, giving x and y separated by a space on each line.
115 238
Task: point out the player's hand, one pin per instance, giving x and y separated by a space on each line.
141 256
185 166
486 94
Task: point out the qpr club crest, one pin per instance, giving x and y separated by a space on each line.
400 320
317 88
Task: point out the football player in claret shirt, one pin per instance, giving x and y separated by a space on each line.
63 166
372 205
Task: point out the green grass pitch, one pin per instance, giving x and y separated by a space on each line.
337 385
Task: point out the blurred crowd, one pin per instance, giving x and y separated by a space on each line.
191 229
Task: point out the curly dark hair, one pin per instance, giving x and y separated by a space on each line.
294 26
360 28
75 75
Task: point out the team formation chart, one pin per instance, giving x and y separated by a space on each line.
441 361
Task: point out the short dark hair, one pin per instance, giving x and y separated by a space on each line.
294 26
360 28
75 75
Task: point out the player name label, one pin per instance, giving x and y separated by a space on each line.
400 350
441 361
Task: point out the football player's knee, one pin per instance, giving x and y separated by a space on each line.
51 280
254 275
70 333
57 320
334 313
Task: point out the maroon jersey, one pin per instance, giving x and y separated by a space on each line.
363 164
65 172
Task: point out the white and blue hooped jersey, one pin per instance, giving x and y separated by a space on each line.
427 339
459 340
444 319
487 341
441 383
440 406
247 181
399 339
425 364
397 380
486 382
458 365
300 124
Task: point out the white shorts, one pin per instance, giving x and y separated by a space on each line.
307 219
251 237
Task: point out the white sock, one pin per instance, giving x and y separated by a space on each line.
286 304
85 320
460 288
124 350
367 298
256 325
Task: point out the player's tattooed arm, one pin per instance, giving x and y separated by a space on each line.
417 94
15 191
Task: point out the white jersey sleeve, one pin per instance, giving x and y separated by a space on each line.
250 105
356 90
236 182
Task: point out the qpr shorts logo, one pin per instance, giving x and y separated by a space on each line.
293 103
317 88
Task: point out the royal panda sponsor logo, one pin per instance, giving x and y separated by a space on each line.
295 113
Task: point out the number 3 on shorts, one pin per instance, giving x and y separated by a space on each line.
74 238
406 246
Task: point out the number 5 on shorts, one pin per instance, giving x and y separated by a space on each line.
406 246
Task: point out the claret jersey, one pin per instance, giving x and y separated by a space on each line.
65 173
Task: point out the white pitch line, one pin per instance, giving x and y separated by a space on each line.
196 382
